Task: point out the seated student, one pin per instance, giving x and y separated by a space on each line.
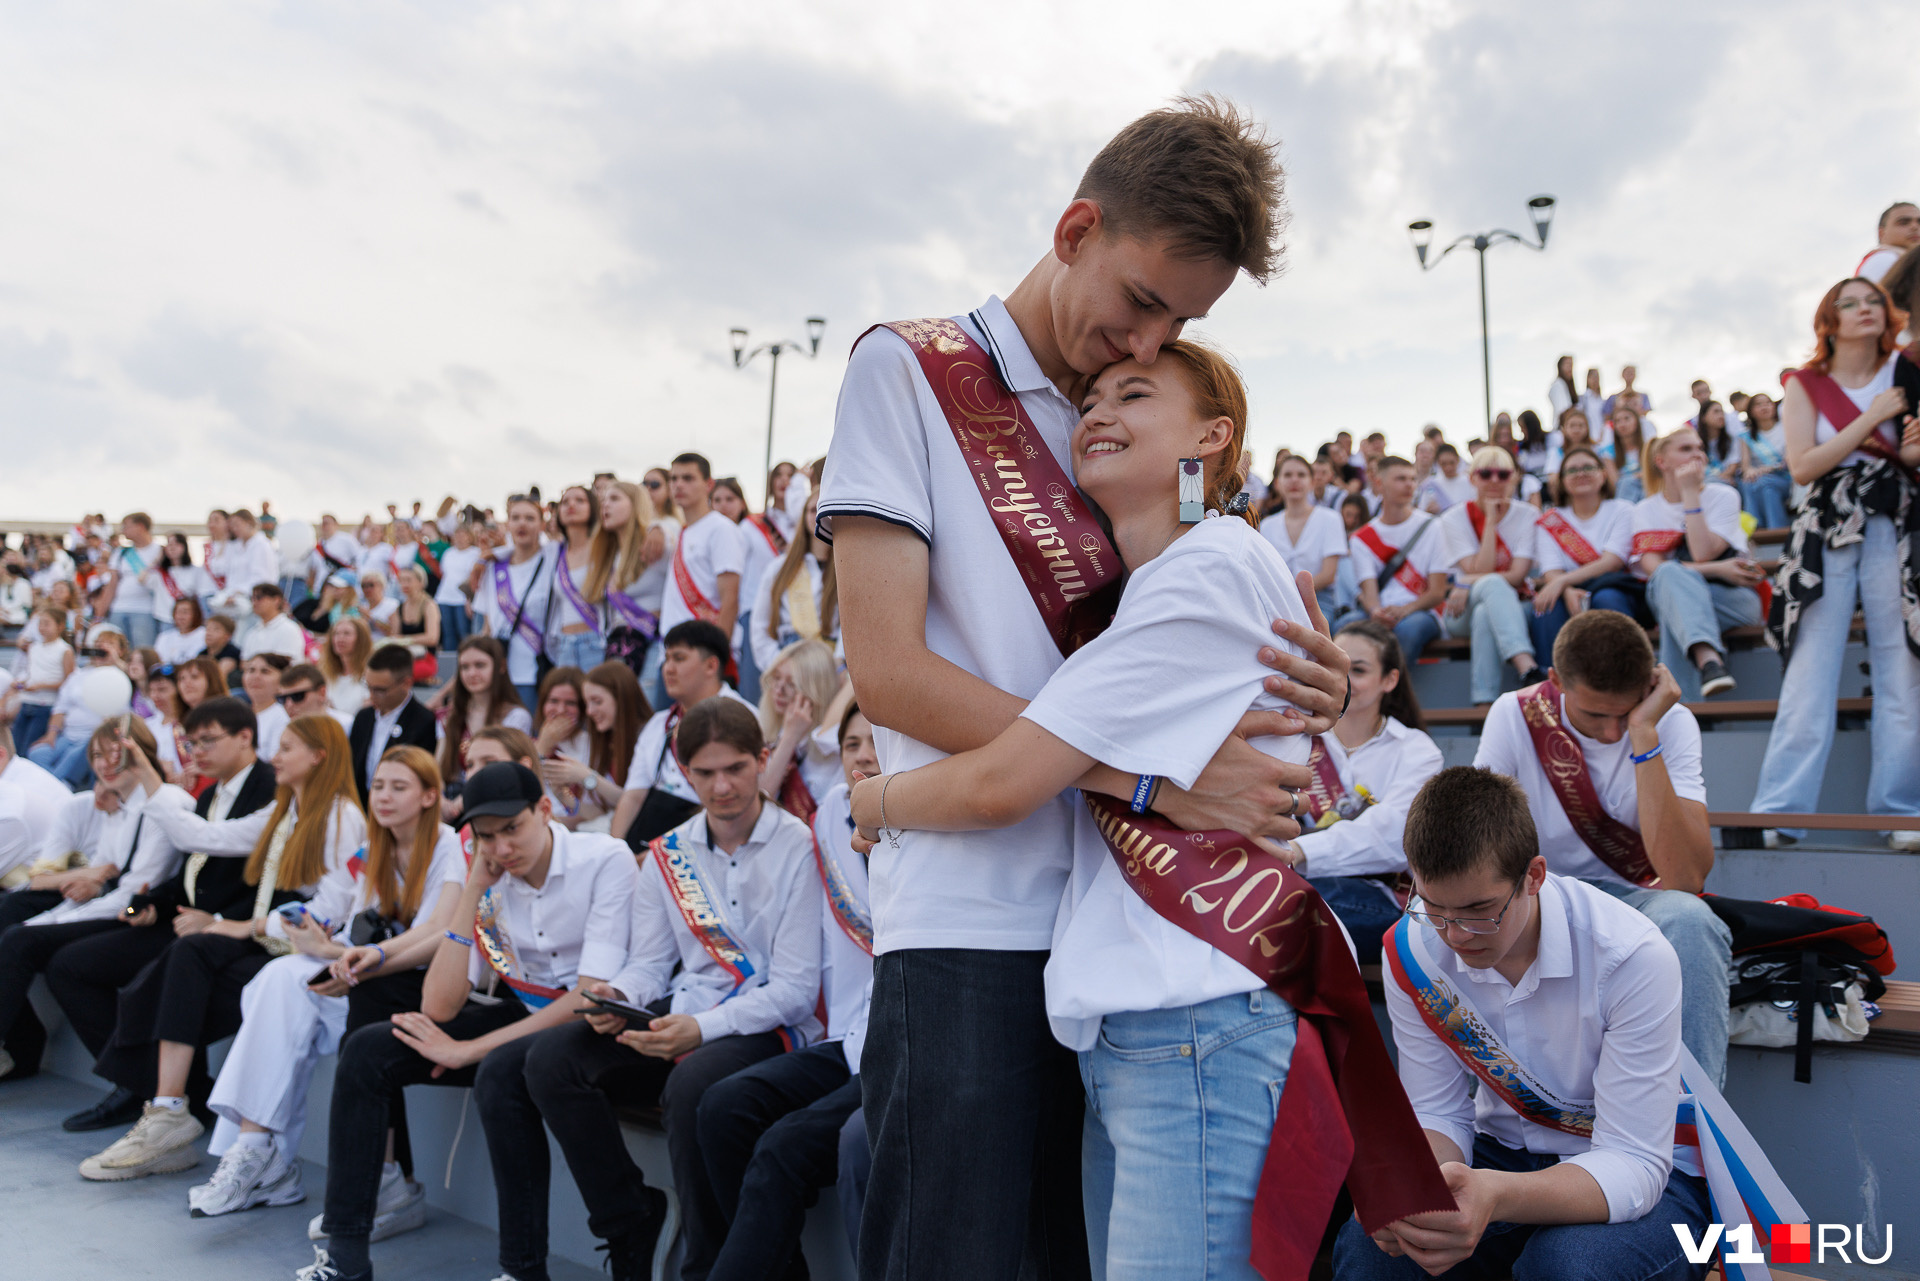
658 797
1401 563
1583 548
275 631
1690 547
222 650
1639 798
260 686
61 749
391 716
30 797
1569 996
86 974
403 896
725 952
1447 485
589 788
478 696
1366 774
1489 548
551 907
770 1134
303 692
802 699
107 827
1308 536
189 996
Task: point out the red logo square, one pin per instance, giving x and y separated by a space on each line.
1792 1242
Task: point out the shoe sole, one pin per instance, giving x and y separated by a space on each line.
166 1163
1721 686
669 1233
269 1195
406 1219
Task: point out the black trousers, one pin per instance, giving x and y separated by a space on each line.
569 1077
87 975
189 994
26 950
771 1136
18 906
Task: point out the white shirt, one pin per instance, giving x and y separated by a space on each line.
1609 530
1596 1017
893 457
576 923
142 851
281 635
1825 429
710 547
1456 532
1719 504
345 553
532 581
650 589
1322 536
456 563
346 834
346 695
654 762
79 721
1439 492
1507 748
757 555
131 595
846 971
1878 262
189 580
268 727
250 563
31 800
1393 766
385 726
768 891
767 648
1428 557
46 665
176 647
1215 591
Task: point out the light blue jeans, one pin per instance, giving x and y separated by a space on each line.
1496 619
1631 488
1693 611
1705 947
140 628
1796 762
650 683
584 650
1766 497
1180 1110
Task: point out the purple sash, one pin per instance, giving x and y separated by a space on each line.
564 577
509 604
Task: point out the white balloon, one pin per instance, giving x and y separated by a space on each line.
296 541
106 691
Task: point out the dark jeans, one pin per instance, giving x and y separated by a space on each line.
771 1135
569 1077
86 976
1643 1250
974 1113
1618 591
26 950
189 994
373 1067
856 1166
1362 907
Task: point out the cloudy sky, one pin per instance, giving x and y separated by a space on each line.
338 255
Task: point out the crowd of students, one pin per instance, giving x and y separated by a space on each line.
990 829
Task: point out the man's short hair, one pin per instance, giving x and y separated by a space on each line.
268 591
1605 651
1893 209
303 672
227 713
395 660
697 633
141 519
1466 819
719 720
695 460
1393 460
1375 435
1200 174
221 620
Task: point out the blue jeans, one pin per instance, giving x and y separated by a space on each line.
1415 632
1692 611
455 623
749 671
1631 488
1644 1250
29 724
1180 1110
1496 620
1546 627
66 759
1363 907
1802 736
584 650
650 683
1705 947
1766 497
1346 589
141 627
856 1166
295 590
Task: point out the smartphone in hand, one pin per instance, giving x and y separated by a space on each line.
634 1017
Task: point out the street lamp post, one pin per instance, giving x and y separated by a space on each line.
816 326
1540 209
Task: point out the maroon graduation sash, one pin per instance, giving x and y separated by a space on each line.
1570 540
1322 793
1565 765
1064 557
794 797
1832 401
1343 1115
1407 576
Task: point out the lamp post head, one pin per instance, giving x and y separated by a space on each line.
1540 209
739 343
1421 233
816 326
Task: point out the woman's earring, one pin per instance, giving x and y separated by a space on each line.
1193 494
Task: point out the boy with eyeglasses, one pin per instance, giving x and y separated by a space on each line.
1561 1002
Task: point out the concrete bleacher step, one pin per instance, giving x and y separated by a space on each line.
1706 711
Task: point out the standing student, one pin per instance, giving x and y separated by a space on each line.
577 631
1400 559
1624 807
709 558
1856 538
1310 538
1899 232
779 484
128 603
763 546
1489 549
627 573
657 796
459 564
1583 548
1561 393
516 596
945 656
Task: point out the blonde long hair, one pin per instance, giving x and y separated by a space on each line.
614 559
806 543
811 663
390 890
304 860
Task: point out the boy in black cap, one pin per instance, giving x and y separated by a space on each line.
543 910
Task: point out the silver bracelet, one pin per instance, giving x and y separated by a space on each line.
893 838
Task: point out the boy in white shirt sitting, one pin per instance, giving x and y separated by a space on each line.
1562 1004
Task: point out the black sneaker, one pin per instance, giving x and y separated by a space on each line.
641 1255
1715 678
117 1111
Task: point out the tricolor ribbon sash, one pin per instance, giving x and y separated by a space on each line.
848 911
1407 576
497 946
563 577
1065 558
509 605
1343 1116
1565 765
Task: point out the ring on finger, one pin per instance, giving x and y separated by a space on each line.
1293 802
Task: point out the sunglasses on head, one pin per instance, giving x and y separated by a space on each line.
1492 473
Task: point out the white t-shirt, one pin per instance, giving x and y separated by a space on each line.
1507 748
1824 428
189 580
1610 530
1393 766
1444 493
654 763
893 457
1878 262
711 546
532 582
650 589
1516 531
455 564
131 595
280 636
176 647
1428 557
1214 592
759 554
1322 536
446 866
46 665
1719 504
268 727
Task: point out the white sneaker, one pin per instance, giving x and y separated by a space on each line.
1907 841
246 1177
321 1269
402 1207
161 1142
1777 840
